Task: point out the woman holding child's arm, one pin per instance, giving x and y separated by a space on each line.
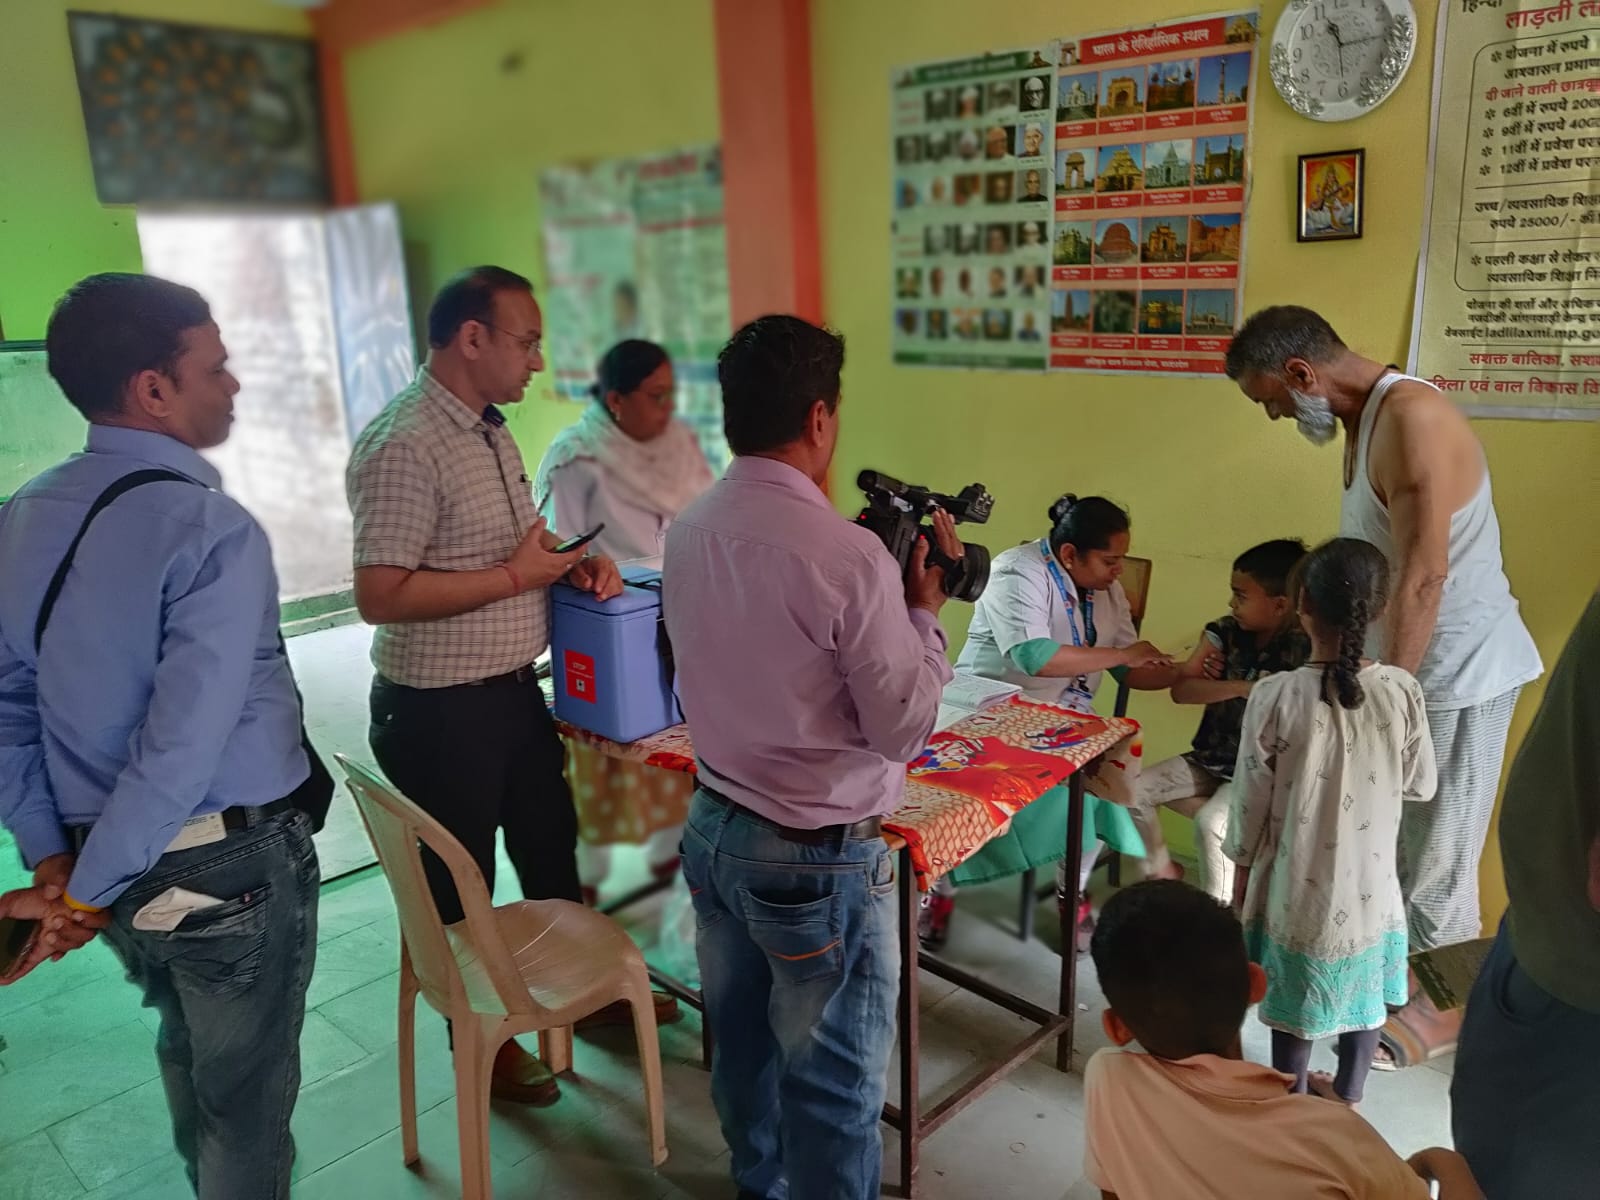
1053 619
1054 616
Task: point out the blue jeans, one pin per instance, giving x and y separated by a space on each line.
1525 1101
800 967
230 985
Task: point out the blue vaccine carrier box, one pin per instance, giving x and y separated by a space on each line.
612 676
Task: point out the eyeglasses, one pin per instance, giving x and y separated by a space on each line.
529 344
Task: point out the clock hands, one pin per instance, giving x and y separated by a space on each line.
1341 43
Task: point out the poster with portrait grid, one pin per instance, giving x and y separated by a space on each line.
972 197
1150 164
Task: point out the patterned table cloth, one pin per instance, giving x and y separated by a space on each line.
971 780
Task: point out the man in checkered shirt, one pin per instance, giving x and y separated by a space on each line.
453 566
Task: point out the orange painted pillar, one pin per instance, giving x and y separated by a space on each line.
343 25
336 128
769 158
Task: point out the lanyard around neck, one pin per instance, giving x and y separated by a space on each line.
1089 636
1079 689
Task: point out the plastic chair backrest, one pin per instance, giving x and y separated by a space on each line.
395 826
1136 584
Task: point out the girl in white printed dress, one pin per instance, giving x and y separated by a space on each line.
1328 755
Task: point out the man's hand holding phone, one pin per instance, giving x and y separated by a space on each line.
533 564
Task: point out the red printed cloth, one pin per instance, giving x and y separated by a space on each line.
671 749
978 774
971 780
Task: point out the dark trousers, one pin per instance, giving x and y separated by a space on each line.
478 758
1524 1102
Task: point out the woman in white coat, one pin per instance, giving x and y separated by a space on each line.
1053 619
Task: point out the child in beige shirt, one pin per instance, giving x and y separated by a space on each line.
1189 1117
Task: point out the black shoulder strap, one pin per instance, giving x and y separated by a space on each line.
126 484
669 667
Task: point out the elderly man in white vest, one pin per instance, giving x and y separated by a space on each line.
1416 485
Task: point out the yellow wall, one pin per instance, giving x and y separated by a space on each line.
454 124
53 229
1203 472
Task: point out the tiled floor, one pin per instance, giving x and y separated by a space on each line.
82 1113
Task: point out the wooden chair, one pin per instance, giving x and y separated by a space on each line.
1136 584
529 966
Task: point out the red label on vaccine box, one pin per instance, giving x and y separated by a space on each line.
580 676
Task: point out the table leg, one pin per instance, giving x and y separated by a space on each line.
910 1049
1069 919
1029 902
693 998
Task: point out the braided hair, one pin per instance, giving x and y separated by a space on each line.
1344 586
1087 524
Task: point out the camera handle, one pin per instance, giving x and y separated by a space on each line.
937 557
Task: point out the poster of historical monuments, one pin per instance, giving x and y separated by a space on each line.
1152 137
1508 285
635 248
972 190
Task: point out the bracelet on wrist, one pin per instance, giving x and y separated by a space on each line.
516 583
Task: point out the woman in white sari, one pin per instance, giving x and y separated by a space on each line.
627 463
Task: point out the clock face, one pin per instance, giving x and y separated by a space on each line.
1337 59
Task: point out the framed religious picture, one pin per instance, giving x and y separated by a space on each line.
1330 207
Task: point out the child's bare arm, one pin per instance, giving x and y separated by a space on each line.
1196 682
1209 691
1449 1170
1154 678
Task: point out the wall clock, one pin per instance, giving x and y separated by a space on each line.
1333 60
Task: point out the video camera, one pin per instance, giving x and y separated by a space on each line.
894 513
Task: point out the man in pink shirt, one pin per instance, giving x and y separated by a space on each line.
810 673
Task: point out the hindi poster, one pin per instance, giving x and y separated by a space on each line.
636 248
970 227
1152 153
1508 284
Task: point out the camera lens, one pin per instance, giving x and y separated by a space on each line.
972 577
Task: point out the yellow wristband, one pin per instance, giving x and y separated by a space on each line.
74 904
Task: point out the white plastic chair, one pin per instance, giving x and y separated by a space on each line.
532 965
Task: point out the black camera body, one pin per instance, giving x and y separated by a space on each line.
894 513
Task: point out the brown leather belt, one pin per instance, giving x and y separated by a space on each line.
527 674
870 827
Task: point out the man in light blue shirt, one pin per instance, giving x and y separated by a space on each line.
150 732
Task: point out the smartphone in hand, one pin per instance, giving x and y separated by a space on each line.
582 539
